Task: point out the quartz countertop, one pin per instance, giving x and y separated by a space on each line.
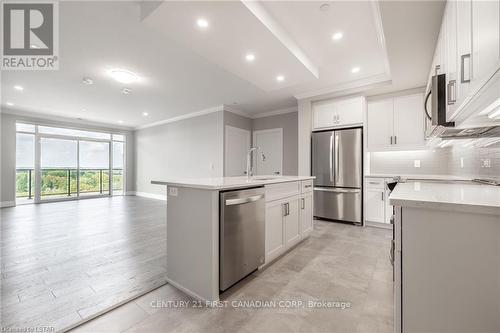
223 183
419 177
464 197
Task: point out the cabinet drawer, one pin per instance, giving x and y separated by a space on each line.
306 186
281 190
375 183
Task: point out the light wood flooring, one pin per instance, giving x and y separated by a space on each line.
339 262
65 262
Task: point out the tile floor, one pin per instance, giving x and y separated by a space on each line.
339 262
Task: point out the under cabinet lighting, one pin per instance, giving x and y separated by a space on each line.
10 104
19 88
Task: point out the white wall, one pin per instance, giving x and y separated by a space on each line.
187 148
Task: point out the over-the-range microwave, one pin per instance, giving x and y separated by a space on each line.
435 111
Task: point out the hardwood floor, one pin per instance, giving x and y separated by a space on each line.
339 262
65 262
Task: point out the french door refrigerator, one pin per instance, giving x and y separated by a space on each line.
337 163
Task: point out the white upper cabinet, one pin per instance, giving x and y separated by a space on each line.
338 113
409 121
468 52
396 123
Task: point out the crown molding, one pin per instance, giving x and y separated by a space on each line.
185 116
276 112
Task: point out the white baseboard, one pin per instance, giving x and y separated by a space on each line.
185 290
151 196
378 225
4 204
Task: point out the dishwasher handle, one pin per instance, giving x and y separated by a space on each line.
240 201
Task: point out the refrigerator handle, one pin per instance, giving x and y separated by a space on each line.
331 158
336 157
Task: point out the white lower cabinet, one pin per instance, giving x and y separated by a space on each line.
288 221
377 208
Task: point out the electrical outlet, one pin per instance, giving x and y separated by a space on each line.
416 163
485 163
173 192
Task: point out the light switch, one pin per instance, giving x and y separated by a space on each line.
416 163
173 192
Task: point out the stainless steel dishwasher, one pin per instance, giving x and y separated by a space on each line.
242 230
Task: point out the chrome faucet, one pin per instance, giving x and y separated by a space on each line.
249 159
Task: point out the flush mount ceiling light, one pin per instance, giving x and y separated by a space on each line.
123 76
19 88
87 80
145 114
250 57
280 78
355 70
337 36
126 91
202 23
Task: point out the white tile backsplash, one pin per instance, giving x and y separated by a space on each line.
457 161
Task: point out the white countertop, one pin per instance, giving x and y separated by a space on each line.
418 177
464 197
223 183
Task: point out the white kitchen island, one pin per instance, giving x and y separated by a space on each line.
446 257
193 225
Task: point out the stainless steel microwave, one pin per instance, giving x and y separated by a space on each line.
435 106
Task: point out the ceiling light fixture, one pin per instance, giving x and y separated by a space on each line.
123 76
120 121
202 23
355 70
250 57
87 80
126 91
337 36
10 104
280 78
19 88
145 114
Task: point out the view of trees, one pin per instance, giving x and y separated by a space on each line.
57 181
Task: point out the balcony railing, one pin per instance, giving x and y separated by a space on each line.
64 182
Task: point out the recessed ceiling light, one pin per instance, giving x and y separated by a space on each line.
250 57
126 91
19 88
10 104
280 78
123 76
87 80
145 114
120 121
355 70
202 23
84 110
337 36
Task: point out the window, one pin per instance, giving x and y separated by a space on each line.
25 167
73 132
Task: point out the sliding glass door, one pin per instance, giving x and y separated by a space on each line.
61 164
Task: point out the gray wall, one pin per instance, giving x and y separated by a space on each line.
445 161
8 149
289 123
182 149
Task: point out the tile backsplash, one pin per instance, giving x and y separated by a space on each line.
457 161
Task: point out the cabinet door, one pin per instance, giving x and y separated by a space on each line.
451 57
485 38
306 214
388 208
324 114
464 40
274 229
409 121
350 112
374 209
292 222
380 124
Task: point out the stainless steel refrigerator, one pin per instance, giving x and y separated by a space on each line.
337 163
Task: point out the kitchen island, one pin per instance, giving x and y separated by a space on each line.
446 254
193 225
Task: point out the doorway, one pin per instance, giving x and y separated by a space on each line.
271 143
237 144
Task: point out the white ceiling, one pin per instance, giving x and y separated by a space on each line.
184 69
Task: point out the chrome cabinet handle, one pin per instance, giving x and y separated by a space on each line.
303 203
463 59
451 92
395 139
307 186
382 196
391 139
287 208
391 253
284 209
